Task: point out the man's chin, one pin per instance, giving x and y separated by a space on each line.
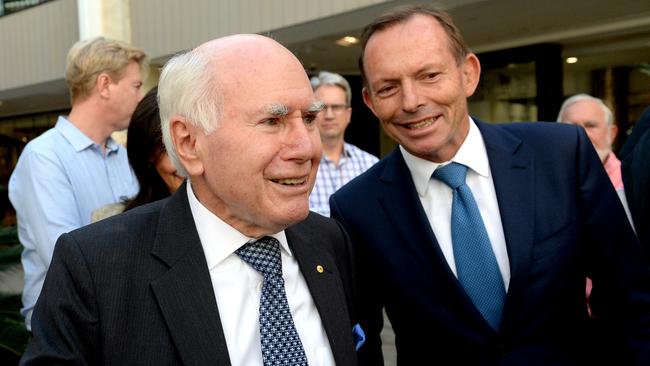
603 154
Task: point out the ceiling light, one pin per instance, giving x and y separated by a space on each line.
571 60
347 41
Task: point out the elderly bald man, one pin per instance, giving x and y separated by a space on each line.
231 269
598 121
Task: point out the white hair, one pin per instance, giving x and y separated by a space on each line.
188 88
609 117
330 78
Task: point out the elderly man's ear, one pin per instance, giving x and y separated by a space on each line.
185 138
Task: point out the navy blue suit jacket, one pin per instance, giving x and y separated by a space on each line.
562 222
635 159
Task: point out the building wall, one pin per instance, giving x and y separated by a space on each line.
49 30
165 27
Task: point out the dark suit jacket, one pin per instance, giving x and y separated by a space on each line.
635 167
135 289
562 221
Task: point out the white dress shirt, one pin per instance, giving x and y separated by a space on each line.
237 289
436 197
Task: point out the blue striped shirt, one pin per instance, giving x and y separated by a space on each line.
331 177
60 178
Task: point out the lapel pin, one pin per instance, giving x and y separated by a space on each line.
319 268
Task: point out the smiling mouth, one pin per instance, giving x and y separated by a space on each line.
424 123
290 181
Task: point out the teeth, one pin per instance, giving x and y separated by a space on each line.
425 123
290 181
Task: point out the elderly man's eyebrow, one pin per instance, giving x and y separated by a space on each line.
316 107
281 110
278 110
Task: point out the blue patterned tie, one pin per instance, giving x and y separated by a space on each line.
476 265
280 341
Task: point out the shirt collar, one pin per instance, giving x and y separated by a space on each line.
78 139
344 154
471 153
220 240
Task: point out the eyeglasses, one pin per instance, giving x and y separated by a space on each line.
335 108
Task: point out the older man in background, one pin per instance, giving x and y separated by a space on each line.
598 121
341 161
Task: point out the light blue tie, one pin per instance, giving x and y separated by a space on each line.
476 265
280 341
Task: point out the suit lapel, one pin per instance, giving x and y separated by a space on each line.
401 204
184 293
325 287
512 171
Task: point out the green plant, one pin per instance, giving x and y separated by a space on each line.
13 335
644 68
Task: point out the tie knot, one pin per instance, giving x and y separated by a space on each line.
263 255
452 174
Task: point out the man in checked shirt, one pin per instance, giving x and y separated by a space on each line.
341 161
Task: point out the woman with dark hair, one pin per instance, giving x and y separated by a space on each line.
156 174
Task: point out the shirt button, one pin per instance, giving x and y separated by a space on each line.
259 286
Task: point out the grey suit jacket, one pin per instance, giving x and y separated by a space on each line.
135 289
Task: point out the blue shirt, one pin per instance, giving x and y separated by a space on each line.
60 178
331 176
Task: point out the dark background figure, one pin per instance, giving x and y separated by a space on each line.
635 160
156 175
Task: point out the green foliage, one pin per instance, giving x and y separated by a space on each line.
13 335
9 235
644 68
10 257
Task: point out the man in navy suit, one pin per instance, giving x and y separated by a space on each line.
635 158
177 282
551 216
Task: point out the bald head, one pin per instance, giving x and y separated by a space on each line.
596 118
238 115
196 85
243 52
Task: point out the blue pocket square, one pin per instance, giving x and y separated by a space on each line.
359 336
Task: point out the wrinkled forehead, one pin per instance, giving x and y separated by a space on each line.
586 111
270 81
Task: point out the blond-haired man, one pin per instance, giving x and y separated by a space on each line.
75 167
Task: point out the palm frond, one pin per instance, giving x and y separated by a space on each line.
644 68
13 335
9 235
10 256
10 305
